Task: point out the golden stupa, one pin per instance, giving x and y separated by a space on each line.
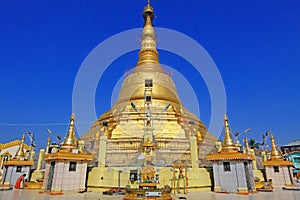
148 126
148 98
229 149
276 157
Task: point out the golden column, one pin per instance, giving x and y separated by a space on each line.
40 159
251 152
48 146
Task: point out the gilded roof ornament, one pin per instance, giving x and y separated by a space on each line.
70 140
13 143
275 153
247 145
48 145
148 11
229 149
20 153
148 143
228 141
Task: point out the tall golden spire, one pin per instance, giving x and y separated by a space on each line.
70 140
228 141
148 53
20 153
275 154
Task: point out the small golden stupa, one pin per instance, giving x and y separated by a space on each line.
66 168
232 169
229 149
20 157
276 157
18 165
278 170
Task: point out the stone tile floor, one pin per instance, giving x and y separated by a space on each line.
277 194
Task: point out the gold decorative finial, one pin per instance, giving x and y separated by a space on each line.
20 153
247 145
228 141
275 153
226 125
148 53
80 145
48 145
148 10
70 140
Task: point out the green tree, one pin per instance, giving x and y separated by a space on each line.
253 144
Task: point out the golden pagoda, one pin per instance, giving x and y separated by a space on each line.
20 157
277 169
170 119
276 158
232 169
229 149
8 151
66 168
148 109
18 165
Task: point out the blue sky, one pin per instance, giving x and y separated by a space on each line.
255 45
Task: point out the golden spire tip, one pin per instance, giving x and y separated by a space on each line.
73 116
148 52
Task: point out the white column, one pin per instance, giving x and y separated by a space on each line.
194 151
102 150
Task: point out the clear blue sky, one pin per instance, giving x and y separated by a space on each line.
255 44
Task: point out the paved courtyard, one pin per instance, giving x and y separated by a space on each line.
277 194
